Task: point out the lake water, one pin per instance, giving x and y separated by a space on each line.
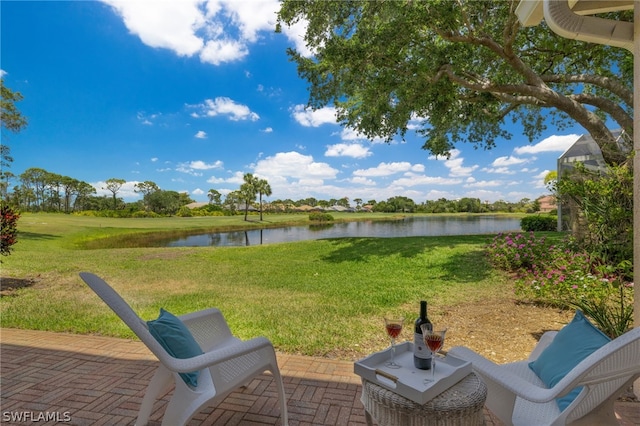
407 227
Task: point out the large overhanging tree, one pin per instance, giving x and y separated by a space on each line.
464 67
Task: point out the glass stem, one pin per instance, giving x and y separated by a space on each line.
393 351
433 365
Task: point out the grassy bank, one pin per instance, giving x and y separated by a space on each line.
323 297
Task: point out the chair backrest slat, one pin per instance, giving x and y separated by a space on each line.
126 314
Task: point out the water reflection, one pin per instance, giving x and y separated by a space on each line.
407 227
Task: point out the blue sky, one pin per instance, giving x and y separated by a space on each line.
193 94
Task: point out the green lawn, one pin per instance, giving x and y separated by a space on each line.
324 297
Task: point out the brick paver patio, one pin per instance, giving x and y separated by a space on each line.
56 378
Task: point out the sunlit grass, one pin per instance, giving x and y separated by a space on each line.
324 297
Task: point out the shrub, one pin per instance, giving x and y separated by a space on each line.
538 223
516 252
320 217
184 212
141 213
567 276
9 229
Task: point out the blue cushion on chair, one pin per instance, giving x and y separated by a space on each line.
177 340
576 341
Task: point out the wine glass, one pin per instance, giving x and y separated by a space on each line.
434 339
394 327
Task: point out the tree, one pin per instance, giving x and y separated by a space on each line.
463 67
145 188
605 200
232 199
215 197
113 185
11 120
84 192
263 188
34 182
248 191
165 202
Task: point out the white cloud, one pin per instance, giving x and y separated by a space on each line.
294 165
454 164
154 159
252 16
295 34
193 168
508 161
387 169
354 150
416 122
349 134
201 134
168 24
484 184
2 73
267 130
425 180
555 143
201 165
147 120
217 52
538 180
359 180
542 174
216 180
310 118
224 106
219 31
197 191
499 170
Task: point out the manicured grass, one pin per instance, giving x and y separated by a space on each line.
324 297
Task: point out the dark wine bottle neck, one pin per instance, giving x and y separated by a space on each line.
423 309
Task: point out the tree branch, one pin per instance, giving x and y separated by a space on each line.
612 108
610 84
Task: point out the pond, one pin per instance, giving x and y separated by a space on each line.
406 227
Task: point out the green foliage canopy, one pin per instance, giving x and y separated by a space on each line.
461 68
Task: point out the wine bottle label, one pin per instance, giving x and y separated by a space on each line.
420 350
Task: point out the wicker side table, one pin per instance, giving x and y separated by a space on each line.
460 405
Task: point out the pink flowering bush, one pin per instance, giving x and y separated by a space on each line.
563 275
516 252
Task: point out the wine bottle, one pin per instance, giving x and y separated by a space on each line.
421 354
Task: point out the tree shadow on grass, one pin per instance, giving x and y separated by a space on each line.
35 236
470 266
8 286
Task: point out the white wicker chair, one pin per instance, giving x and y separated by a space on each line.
226 364
518 397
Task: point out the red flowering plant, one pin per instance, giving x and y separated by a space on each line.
9 229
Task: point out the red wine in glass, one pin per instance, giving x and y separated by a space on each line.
393 330
434 339
393 327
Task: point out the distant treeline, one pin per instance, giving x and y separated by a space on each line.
38 190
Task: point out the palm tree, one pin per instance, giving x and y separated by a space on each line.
263 188
248 191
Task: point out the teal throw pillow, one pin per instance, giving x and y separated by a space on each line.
177 340
573 343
